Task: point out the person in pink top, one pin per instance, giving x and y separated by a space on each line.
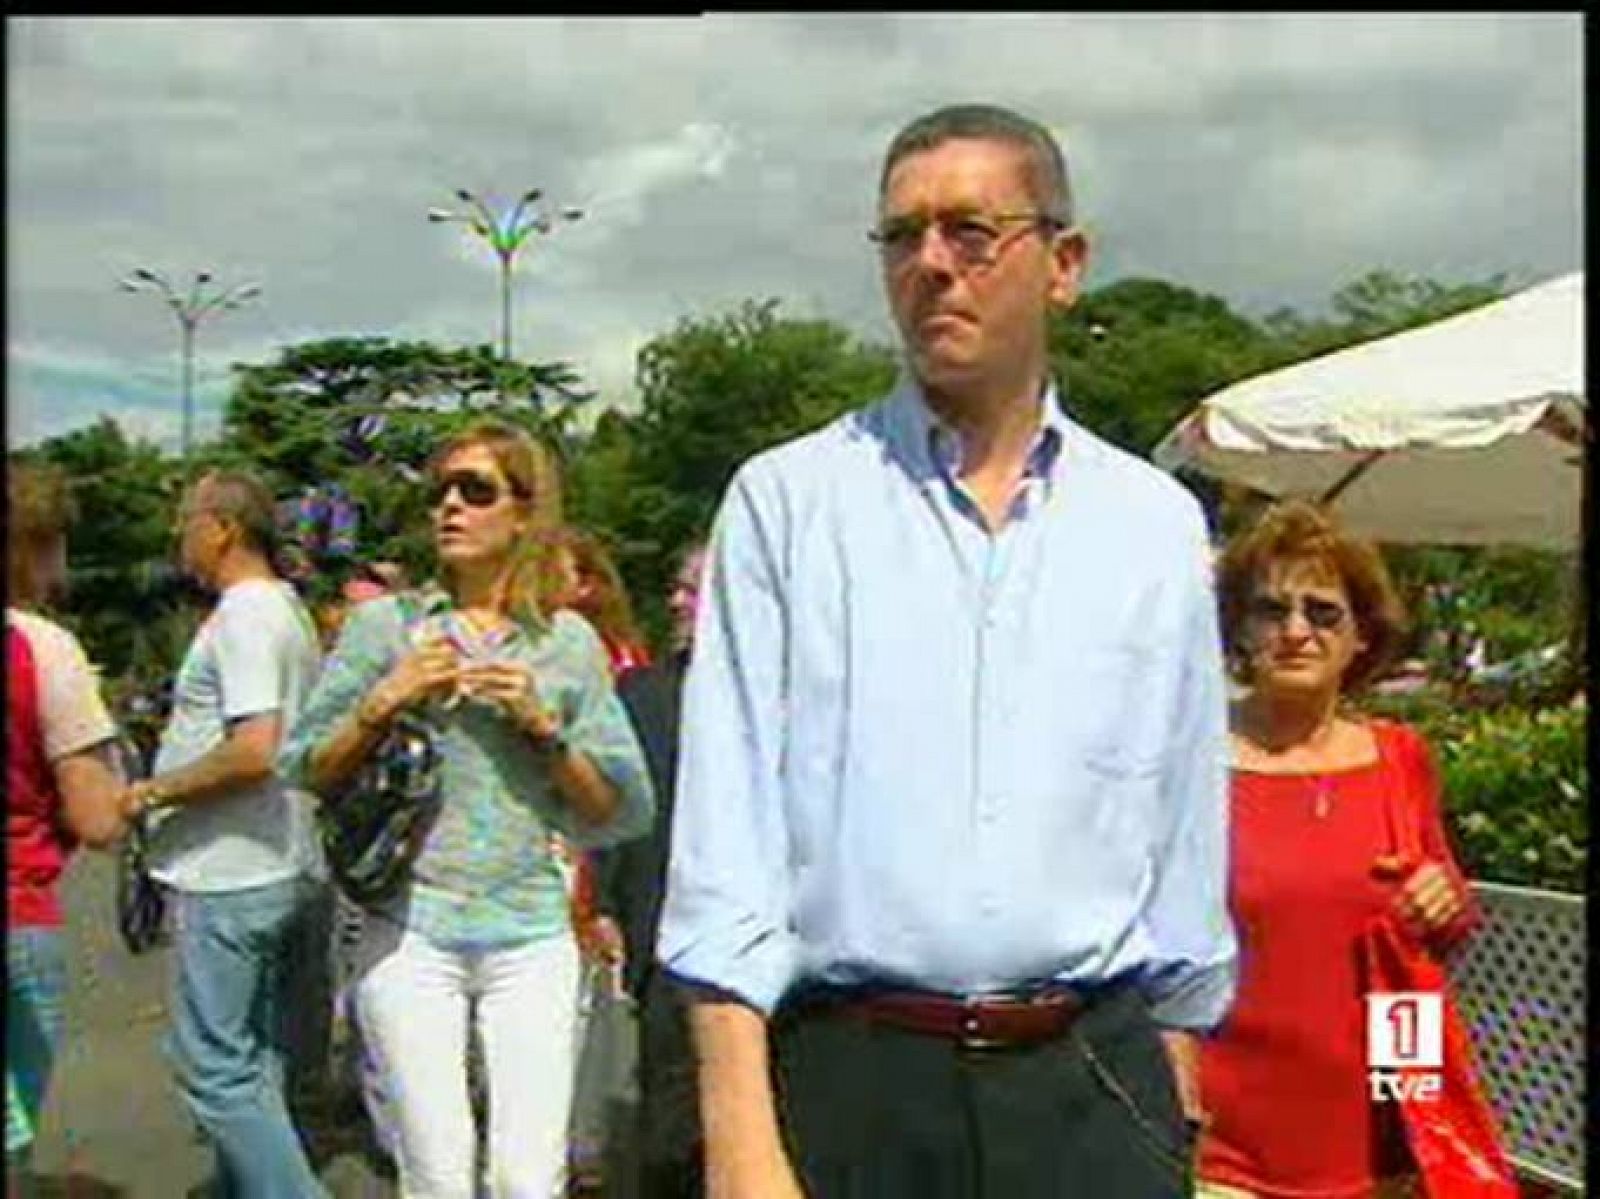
62 784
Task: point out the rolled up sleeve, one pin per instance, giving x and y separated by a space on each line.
726 924
364 652
1192 981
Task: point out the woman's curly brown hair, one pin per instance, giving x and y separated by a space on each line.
39 509
1300 531
608 609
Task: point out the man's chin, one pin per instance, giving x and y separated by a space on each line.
943 368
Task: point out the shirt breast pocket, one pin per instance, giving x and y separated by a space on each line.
1123 713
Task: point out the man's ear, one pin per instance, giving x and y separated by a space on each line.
1069 256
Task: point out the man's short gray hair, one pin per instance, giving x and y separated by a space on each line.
244 499
1046 168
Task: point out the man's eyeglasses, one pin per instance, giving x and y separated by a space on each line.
477 491
1322 615
975 238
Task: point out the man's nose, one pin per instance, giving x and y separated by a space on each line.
932 252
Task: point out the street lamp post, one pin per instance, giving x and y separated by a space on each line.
189 310
505 235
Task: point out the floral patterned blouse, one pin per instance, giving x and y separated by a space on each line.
488 873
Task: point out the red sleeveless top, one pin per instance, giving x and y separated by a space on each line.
37 846
1285 1077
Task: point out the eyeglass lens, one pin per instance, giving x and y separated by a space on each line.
1323 615
476 491
973 236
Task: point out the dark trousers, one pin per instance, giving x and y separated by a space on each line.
871 1112
665 1152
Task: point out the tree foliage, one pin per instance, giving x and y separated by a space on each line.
713 392
1135 356
366 413
122 599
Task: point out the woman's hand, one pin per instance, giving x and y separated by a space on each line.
510 687
1429 898
433 668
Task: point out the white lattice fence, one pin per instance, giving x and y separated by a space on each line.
1520 984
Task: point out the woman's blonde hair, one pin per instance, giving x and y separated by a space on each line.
535 479
1299 531
39 510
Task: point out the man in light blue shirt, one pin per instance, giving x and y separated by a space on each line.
949 854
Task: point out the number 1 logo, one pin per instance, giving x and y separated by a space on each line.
1405 1030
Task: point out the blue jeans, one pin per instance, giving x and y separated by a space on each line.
230 1028
36 988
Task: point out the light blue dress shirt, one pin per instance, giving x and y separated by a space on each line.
916 753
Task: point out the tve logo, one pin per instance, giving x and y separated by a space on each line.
1405 1044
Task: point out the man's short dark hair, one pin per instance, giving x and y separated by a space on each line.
242 498
1046 168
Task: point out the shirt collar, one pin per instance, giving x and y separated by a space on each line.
433 600
933 449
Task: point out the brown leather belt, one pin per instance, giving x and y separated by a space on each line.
982 1023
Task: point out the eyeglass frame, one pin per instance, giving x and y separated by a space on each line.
439 489
1268 610
917 226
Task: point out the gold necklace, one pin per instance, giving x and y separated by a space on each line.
1322 797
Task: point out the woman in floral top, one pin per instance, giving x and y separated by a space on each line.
533 743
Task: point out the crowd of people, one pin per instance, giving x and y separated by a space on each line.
931 855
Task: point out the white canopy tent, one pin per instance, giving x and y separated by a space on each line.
1466 431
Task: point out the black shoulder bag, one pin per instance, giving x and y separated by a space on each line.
374 828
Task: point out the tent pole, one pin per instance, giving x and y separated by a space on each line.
1354 473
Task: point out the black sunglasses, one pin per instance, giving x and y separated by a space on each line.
1322 615
477 491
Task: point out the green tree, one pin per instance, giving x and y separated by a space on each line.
714 391
1139 354
1375 304
121 599
367 413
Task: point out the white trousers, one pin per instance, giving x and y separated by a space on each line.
413 1000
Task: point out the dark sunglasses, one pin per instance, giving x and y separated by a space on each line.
1322 615
477 491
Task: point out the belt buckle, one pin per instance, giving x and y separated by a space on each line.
969 1038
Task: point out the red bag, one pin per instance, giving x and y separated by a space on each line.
1452 1135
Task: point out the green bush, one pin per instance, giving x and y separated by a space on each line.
1515 788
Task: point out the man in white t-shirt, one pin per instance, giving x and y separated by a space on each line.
234 843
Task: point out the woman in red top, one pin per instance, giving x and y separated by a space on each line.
1309 616
62 786
581 575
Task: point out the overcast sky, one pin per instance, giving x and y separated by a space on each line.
1265 159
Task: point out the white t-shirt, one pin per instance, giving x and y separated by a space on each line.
256 653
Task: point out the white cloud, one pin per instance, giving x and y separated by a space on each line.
1268 159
